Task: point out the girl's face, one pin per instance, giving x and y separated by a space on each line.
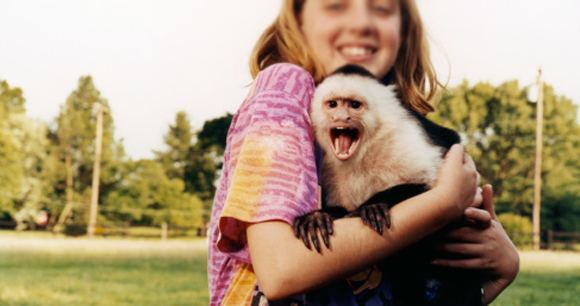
362 32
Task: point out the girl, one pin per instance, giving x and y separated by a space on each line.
270 176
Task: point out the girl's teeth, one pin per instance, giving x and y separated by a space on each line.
356 51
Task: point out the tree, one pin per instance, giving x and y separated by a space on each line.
195 162
74 141
206 157
213 134
22 151
147 196
11 174
497 126
178 141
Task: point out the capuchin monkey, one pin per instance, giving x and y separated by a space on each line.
377 153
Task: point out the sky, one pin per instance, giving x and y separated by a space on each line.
153 58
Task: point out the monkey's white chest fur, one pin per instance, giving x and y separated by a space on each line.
403 155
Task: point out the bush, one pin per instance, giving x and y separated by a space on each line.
519 228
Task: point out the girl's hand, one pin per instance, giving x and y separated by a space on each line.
482 245
458 181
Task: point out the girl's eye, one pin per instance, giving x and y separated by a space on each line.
335 6
383 6
382 9
332 104
355 104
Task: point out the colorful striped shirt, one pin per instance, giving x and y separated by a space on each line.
269 173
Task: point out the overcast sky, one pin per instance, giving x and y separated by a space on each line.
153 58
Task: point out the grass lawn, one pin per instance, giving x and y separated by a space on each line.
545 278
59 271
38 269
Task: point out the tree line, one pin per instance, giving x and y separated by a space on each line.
47 167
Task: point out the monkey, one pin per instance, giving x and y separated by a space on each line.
376 154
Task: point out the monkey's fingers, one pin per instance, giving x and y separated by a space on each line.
363 216
304 236
372 218
313 235
384 213
296 226
388 218
323 229
329 225
379 219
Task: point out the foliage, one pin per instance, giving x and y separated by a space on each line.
497 126
561 212
213 134
195 161
22 152
147 196
74 138
178 141
519 228
10 172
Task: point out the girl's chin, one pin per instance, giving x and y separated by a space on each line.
368 65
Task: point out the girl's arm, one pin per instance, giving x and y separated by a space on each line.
484 246
284 266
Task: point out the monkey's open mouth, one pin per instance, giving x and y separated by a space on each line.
344 142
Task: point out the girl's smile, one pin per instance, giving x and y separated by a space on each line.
362 32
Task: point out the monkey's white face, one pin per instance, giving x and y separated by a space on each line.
346 114
344 122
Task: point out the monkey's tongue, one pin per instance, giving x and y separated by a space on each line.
343 141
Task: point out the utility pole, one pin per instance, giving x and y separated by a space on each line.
96 171
538 163
69 193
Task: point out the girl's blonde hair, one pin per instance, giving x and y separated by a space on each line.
283 42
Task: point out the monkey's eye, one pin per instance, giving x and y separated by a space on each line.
355 104
332 104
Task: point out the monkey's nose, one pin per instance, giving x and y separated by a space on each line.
341 116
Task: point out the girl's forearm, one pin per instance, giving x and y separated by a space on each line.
284 266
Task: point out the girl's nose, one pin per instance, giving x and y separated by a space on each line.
359 21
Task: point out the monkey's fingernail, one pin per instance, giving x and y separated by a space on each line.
306 242
325 239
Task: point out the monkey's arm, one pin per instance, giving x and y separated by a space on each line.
284 267
373 213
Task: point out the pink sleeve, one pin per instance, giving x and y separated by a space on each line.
271 164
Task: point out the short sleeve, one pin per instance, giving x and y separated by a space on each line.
273 171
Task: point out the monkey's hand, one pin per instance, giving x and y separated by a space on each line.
375 216
305 227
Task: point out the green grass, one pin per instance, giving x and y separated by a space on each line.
102 272
38 269
545 278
